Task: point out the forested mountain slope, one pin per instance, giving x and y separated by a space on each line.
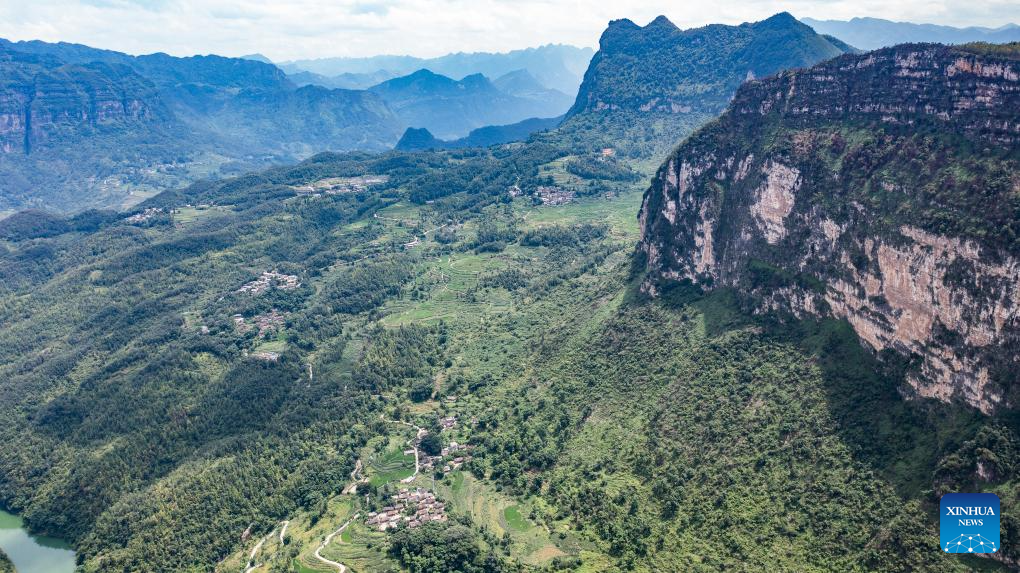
661 68
181 381
243 374
93 128
880 188
649 87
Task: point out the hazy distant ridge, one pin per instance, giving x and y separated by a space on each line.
874 33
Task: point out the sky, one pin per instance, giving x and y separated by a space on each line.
298 29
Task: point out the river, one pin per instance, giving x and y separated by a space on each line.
33 553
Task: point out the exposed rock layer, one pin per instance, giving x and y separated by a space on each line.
41 97
880 189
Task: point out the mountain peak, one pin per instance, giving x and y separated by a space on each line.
257 57
662 68
423 73
417 139
476 79
622 24
518 81
661 21
784 18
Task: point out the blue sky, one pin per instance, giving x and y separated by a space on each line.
319 28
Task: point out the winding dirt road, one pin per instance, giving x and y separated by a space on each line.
414 444
252 565
340 566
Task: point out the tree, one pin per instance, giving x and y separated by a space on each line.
421 390
431 444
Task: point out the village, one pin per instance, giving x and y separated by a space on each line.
418 506
338 185
553 195
413 508
265 323
144 215
268 280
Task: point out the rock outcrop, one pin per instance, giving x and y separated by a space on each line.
882 189
82 127
42 97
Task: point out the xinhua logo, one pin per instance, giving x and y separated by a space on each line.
969 523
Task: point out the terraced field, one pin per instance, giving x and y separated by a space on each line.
620 213
557 170
532 544
361 549
450 282
391 465
186 215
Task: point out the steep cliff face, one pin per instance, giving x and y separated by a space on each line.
880 188
41 97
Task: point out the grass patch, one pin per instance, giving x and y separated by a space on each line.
514 519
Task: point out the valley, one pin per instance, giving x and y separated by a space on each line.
750 305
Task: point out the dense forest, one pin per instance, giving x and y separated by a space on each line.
162 404
444 361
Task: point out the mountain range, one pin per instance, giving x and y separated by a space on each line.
650 86
556 66
85 127
774 346
873 33
451 108
661 68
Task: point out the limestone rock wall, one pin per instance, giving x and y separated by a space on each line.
759 201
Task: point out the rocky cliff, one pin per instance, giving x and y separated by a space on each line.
41 97
883 189
81 127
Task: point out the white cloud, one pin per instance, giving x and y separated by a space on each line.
320 28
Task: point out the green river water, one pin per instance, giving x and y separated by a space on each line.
33 553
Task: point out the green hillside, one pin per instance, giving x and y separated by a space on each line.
507 359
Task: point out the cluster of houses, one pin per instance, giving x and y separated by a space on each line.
554 195
265 323
144 215
268 280
337 185
459 452
266 355
411 507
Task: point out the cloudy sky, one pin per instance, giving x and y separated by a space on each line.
291 29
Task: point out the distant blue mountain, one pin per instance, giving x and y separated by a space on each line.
874 33
555 66
85 125
450 108
420 139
